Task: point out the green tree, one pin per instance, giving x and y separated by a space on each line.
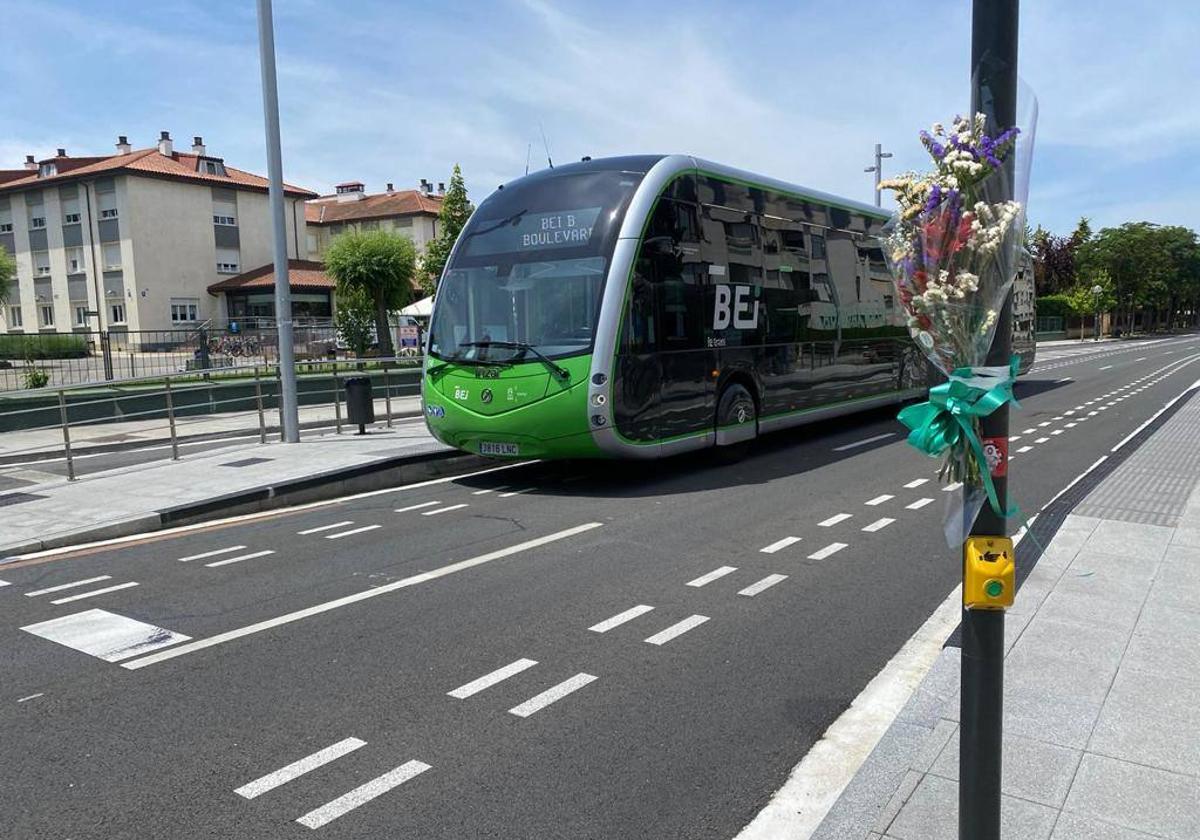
355 318
379 264
1083 300
8 275
456 209
1134 257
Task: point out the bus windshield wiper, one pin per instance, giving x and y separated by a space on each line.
560 372
463 360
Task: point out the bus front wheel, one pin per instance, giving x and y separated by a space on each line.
737 422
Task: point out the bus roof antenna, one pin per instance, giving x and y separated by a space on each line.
545 144
528 152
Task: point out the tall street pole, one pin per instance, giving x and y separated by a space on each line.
290 417
880 154
994 93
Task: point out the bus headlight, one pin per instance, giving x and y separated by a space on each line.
598 420
599 399
599 379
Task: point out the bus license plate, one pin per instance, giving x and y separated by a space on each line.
489 448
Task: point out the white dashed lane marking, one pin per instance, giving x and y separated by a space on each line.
919 503
1042 440
489 680
952 487
878 500
878 524
715 574
416 507
917 482
362 794
827 551
553 695
781 544
212 553
835 519
515 492
63 586
446 509
1025 448
95 592
677 629
352 532
766 583
238 559
105 635
620 618
321 528
296 769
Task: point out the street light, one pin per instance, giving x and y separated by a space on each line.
878 169
1097 290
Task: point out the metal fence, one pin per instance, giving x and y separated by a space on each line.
209 405
57 359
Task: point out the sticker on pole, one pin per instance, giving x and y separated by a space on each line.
995 450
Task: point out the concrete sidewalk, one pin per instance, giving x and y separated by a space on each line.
1102 680
241 477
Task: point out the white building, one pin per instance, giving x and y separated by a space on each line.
136 237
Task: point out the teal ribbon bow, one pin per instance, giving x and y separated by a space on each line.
948 418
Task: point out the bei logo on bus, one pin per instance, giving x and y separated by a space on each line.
732 304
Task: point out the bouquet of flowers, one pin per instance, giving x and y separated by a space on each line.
952 247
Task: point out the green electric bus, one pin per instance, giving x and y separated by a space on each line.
644 306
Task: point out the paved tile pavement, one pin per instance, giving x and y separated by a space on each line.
1102 682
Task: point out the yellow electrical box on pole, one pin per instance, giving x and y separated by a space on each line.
989 573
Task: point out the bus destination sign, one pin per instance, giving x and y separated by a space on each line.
536 232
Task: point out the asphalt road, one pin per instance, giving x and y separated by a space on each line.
347 667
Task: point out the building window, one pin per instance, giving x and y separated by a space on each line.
37 222
108 213
212 167
46 170
116 312
112 256
70 218
227 260
75 264
46 315
228 221
312 243
15 319
185 310
81 315
41 263
5 227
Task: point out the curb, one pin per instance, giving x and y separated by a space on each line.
389 472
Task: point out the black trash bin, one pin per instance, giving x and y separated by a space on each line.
360 407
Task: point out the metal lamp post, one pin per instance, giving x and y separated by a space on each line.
880 154
1097 290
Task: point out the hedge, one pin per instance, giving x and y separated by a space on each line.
1054 306
55 346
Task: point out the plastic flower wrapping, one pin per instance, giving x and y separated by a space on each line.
953 248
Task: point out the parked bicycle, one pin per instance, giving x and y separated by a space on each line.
233 345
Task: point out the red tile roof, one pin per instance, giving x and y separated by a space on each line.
328 210
302 274
7 175
180 165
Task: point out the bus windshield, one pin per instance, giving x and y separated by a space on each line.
551 306
528 271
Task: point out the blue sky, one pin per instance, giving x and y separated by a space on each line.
398 91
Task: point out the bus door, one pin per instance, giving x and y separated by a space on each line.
637 375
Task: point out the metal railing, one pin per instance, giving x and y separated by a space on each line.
84 356
60 422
